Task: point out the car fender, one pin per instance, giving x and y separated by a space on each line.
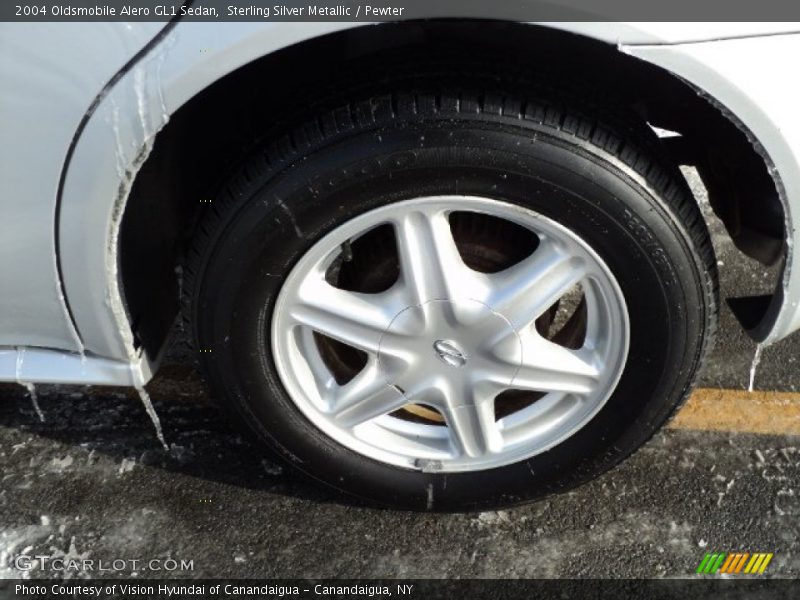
120 132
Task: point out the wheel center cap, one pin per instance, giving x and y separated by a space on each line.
449 353
459 333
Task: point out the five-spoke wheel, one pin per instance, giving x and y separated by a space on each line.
449 338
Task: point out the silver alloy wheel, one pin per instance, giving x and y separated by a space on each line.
450 339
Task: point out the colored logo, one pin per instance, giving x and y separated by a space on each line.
736 563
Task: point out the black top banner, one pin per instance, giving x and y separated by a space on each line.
395 10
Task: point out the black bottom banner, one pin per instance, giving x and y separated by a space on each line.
466 589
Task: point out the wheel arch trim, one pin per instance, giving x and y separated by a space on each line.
730 74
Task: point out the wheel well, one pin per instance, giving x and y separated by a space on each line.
207 137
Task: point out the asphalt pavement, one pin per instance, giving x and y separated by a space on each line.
92 481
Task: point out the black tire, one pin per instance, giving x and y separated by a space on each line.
603 177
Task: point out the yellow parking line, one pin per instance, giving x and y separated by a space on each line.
740 411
